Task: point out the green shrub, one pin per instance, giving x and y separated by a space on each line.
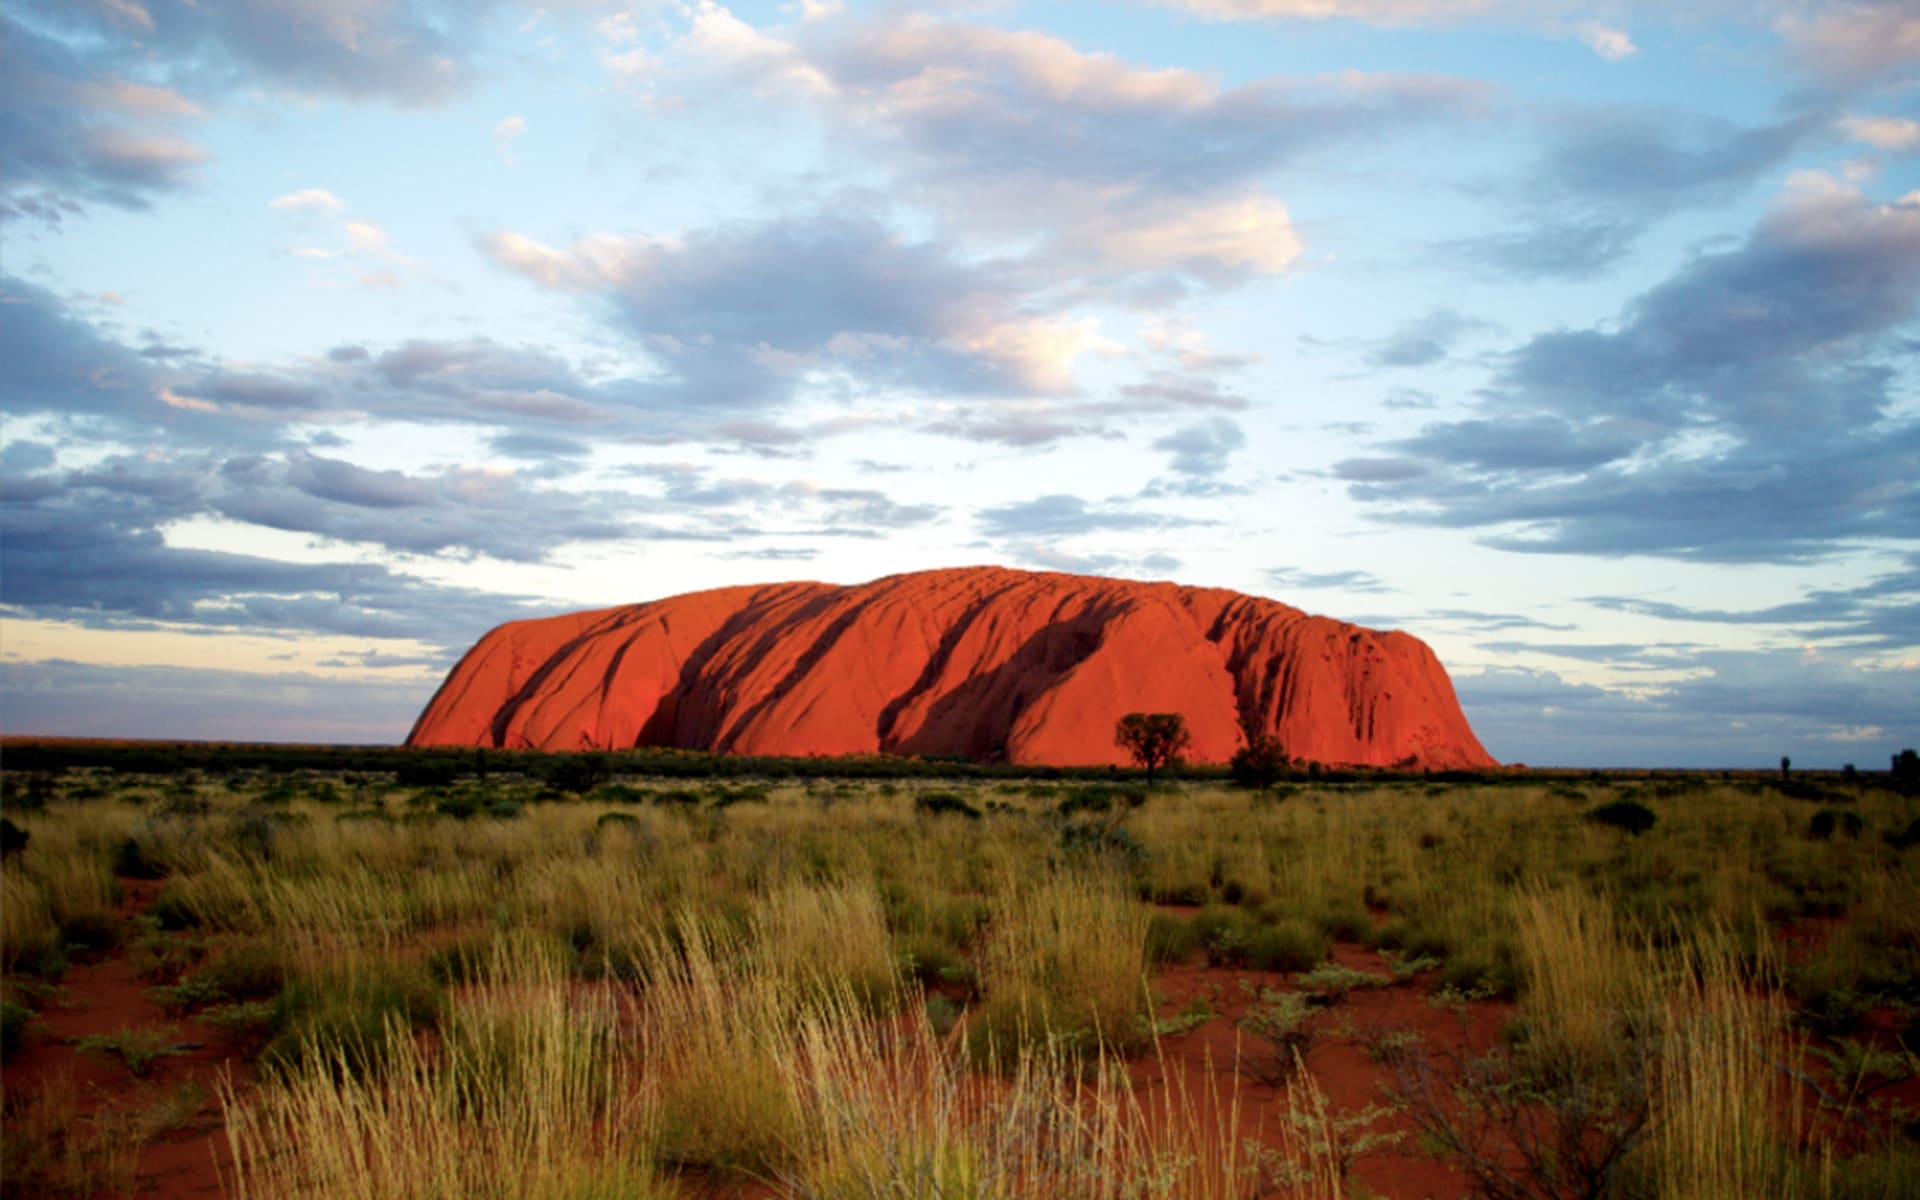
934 804
343 1021
91 931
1260 763
1489 972
1628 815
132 860
173 910
1170 940
135 1049
246 970
1292 945
459 807
1346 922
930 957
1828 820
247 1028
1103 844
576 773
14 1019
427 773
195 991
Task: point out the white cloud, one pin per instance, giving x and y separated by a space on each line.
1036 354
591 262
1610 44
1884 133
121 149
505 134
721 39
1378 12
1252 235
129 12
145 98
1856 40
309 200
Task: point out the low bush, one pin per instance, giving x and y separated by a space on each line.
1170 940
135 1049
935 804
1629 816
1261 763
14 1019
1828 821
1292 945
133 860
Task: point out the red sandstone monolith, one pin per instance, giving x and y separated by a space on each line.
983 662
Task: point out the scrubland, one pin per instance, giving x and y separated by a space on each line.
573 987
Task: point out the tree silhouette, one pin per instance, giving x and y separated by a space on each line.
1154 740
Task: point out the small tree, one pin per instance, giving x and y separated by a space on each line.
1154 740
1261 762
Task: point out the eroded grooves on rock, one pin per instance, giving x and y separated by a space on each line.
984 662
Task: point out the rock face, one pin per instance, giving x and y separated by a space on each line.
984 662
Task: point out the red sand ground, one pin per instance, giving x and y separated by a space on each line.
983 662
105 996
1204 1065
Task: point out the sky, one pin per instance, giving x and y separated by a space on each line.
1580 340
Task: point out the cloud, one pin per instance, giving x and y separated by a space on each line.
1061 515
400 51
1856 40
1376 12
64 368
60 365
90 551
1735 709
1203 449
1103 168
91 96
1347 581
461 510
83 700
1053 558
1380 470
1603 176
1741 410
739 507
1610 44
72 132
892 310
505 134
308 200
1880 614
1426 341
1896 134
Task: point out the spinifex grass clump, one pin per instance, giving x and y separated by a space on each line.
1588 985
29 939
820 939
1063 962
525 1098
713 1034
1727 1112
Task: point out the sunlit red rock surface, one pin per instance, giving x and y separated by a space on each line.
983 662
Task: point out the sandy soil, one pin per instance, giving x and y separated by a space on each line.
1215 1069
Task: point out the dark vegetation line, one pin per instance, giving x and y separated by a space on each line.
133 757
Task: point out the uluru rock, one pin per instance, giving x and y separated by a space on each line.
982 662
